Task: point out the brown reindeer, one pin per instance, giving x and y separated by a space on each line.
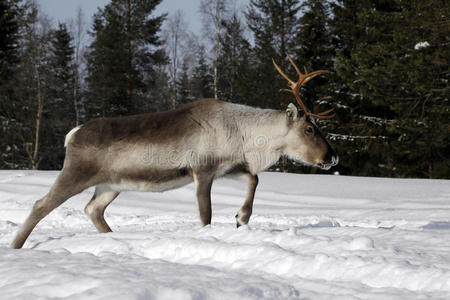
199 142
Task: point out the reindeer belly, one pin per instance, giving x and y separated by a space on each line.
158 181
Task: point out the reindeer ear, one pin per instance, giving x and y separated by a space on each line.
292 111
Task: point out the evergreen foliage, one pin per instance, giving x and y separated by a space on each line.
59 111
9 27
236 81
314 51
122 57
397 91
32 80
274 24
184 91
202 81
9 60
388 85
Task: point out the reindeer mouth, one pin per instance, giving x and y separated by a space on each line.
327 165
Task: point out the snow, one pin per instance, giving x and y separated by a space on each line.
421 45
344 137
310 237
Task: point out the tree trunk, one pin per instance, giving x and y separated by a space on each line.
217 48
75 94
35 159
174 69
76 75
390 168
128 75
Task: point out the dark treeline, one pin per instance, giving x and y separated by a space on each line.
389 85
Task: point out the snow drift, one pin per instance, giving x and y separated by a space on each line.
311 237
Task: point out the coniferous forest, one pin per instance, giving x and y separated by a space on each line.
389 84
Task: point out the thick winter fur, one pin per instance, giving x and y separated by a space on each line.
161 151
69 135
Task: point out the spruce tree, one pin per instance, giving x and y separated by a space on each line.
393 72
9 60
59 113
417 79
314 50
274 24
158 94
202 81
122 57
360 131
183 89
9 27
235 82
32 76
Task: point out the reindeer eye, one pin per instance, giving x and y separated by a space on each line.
309 130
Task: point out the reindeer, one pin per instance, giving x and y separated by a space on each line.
198 142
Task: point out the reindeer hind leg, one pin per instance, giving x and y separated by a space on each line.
95 209
66 185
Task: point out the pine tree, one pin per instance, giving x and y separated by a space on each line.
360 128
9 27
32 77
9 60
59 113
315 51
417 77
274 24
158 94
122 57
202 81
183 89
235 82
397 94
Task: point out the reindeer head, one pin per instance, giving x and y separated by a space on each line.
304 142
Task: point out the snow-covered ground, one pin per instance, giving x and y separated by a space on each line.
310 237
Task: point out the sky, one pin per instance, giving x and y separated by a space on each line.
64 10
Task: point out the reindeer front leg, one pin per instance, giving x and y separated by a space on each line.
203 182
243 216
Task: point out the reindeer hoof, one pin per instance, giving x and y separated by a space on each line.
237 222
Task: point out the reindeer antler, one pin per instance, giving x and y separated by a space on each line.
295 87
